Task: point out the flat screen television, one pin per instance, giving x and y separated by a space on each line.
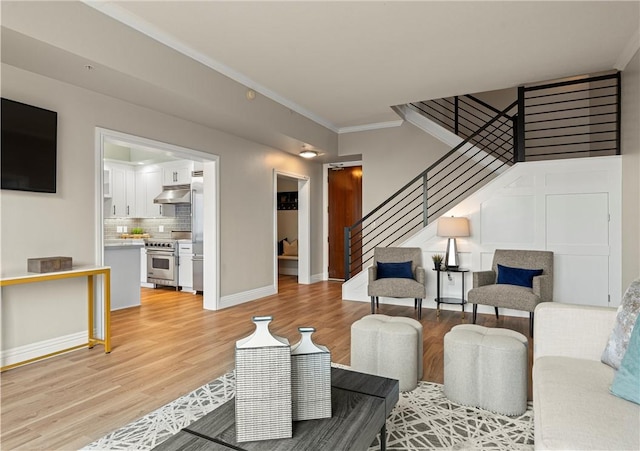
28 147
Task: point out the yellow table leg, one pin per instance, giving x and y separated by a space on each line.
107 311
90 286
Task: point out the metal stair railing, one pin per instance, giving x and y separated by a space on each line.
472 163
570 119
461 115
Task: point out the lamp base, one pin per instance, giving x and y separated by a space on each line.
451 256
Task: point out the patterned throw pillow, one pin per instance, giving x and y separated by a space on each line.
626 318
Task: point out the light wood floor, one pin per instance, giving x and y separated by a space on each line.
170 346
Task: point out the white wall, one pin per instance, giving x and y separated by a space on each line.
631 171
288 225
562 206
36 225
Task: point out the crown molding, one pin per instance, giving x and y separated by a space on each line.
131 20
372 126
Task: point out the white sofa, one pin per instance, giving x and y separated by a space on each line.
573 408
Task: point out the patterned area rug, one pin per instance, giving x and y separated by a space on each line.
423 419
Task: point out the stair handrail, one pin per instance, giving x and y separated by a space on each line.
453 106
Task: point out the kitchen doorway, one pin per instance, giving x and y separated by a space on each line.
132 156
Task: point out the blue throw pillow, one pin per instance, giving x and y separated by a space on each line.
395 270
626 383
517 276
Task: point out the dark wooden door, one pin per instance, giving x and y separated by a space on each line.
345 208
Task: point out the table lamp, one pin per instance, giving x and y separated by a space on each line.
451 228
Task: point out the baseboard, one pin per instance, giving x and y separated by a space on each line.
318 278
246 296
41 348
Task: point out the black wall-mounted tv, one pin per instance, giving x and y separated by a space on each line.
28 147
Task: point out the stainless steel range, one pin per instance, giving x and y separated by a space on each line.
162 261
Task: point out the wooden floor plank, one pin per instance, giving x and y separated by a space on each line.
169 346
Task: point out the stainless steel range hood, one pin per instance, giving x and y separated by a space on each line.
179 194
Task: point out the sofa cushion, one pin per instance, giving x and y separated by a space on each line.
396 288
574 409
506 296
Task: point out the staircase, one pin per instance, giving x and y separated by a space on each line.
568 119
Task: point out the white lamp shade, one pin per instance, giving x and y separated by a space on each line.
453 227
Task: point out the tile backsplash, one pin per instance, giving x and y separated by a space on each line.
182 222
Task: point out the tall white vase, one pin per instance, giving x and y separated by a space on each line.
263 385
310 378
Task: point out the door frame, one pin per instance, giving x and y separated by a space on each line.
325 210
211 292
304 226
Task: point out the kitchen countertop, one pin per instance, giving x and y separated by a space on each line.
123 244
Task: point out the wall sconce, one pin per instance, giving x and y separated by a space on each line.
452 228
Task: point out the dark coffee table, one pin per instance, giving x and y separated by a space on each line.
360 405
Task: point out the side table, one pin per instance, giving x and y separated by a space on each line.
446 300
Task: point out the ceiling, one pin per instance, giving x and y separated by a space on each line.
320 68
343 64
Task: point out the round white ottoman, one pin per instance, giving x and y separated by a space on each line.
486 368
388 346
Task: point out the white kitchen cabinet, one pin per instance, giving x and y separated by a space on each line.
185 268
122 202
177 173
130 196
107 183
148 186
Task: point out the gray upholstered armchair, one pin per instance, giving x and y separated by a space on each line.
397 272
525 281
